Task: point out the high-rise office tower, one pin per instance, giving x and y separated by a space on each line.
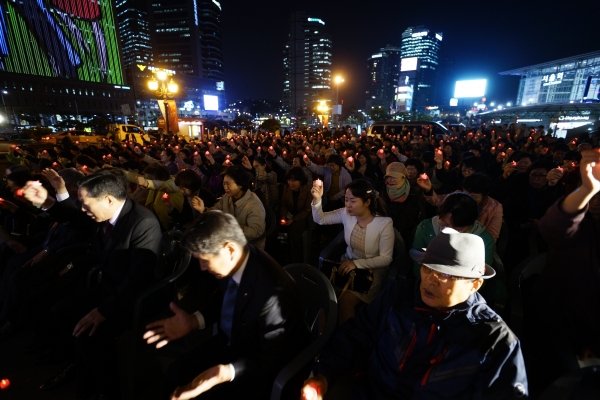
423 44
134 31
186 38
212 46
306 64
384 72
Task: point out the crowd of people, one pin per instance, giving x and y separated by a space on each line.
469 205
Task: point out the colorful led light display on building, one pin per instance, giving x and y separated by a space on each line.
74 39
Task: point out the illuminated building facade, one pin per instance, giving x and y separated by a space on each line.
61 57
306 64
571 79
384 72
425 45
212 46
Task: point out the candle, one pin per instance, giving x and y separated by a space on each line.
447 164
227 162
258 148
513 163
109 156
77 142
493 149
137 147
439 152
218 147
176 147
394 149
4 383
165 196
344 154
380 152
19 192
350 160
104 157
305 157
228 157
423 176
206 153
144 148
55 164
310 393
87 140
44 152
319 182
332 143
560 169
195 154
282 221
85 168
503 154
284 153
209 144
13 147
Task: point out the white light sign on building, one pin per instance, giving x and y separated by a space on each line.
420 34
438 37
221 85
453 102
408 64
552 79
470 88
211 103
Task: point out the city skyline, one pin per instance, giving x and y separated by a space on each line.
483 39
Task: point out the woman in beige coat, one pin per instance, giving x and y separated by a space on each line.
240 202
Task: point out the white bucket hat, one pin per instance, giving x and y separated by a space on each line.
457 254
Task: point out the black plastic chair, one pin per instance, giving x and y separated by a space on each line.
172 263
270 221
528 268
502 241
537 244
317 296
581 384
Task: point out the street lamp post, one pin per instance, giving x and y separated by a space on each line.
338 79
163 89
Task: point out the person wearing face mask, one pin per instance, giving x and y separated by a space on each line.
402 203
478 186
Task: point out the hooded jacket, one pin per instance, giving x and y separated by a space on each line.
411 351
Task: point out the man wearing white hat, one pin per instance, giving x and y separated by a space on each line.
436 338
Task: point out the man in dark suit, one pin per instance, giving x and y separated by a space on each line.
261 327
126 237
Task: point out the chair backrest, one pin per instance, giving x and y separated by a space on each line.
330 251
537 244
270 222
398 265
502 240
528 268
169 253
317 296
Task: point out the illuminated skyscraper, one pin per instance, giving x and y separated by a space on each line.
186 38
384 71
134 31
306 64
425 45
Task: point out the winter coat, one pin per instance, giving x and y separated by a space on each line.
412 351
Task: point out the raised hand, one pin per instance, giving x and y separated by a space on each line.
317 191
424 182
35 192
55 180
554 176
166 330
198 204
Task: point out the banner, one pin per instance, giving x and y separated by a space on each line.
173 115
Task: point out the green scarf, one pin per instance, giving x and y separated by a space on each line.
399 194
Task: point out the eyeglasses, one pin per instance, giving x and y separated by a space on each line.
442 278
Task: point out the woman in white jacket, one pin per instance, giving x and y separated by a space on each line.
369 234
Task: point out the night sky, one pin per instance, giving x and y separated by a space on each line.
484 37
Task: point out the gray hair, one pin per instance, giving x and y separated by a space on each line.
211 231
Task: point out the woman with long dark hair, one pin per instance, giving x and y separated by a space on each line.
368 232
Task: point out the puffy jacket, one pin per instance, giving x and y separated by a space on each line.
415 352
